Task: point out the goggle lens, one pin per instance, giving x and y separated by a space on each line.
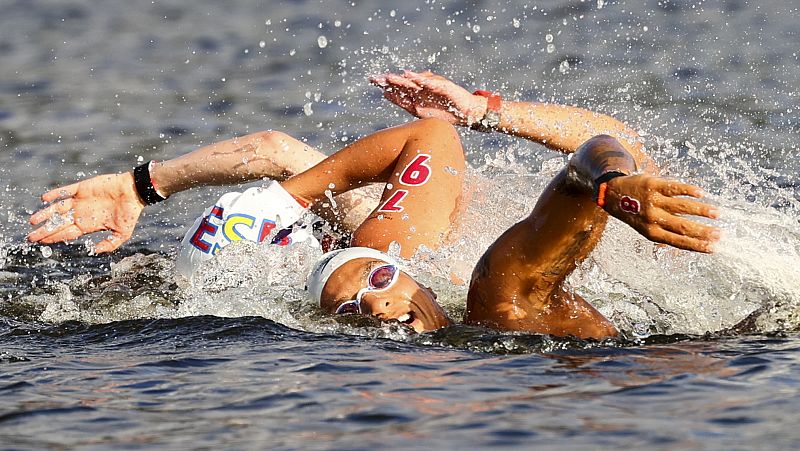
380 278
349 307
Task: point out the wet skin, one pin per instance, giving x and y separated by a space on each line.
406 300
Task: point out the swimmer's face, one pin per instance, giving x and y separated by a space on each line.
403 300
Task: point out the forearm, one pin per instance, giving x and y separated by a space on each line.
368 160
273 155
565 128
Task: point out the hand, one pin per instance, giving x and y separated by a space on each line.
106 202
429 95
649 205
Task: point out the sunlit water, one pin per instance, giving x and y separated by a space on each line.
114 351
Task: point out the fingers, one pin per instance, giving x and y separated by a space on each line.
684 226
682 232
111 243
403 82
377 80
66 232
390 80
59 208
427 81
674 188
60 192
400 99
683 242
678 206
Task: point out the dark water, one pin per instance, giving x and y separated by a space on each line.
251 383
109 352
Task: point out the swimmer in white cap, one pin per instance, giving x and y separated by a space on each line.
519 282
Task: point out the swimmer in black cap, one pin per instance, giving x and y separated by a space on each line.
519 282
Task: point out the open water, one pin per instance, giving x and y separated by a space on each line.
100 352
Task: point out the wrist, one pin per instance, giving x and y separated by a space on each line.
491 112
130 187
145 186
478 111
601 185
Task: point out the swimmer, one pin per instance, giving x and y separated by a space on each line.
517 285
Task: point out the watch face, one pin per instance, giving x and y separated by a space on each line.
491 119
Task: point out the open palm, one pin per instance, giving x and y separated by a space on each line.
104 203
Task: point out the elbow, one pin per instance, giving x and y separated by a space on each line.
629 141
269 153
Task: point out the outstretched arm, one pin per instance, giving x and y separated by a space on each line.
110 203
559 127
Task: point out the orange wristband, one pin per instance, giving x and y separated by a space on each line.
601 186
601 194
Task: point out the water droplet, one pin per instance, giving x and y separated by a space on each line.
307 109
641 330
515 22
476 28
548 37
601 4
46 251
322 41
551 48
329 195
392 13
262 44
563 67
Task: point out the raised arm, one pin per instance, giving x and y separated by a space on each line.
110 202
518 283
559 127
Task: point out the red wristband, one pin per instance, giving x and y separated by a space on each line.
303 203
493 100
491 119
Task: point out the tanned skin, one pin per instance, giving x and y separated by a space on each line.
519 282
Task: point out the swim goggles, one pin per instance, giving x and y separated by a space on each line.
380 278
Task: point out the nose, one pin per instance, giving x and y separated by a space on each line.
381 307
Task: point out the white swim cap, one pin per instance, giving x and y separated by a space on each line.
331 261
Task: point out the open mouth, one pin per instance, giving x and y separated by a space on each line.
407 318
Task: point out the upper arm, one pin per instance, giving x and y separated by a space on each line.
422 192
